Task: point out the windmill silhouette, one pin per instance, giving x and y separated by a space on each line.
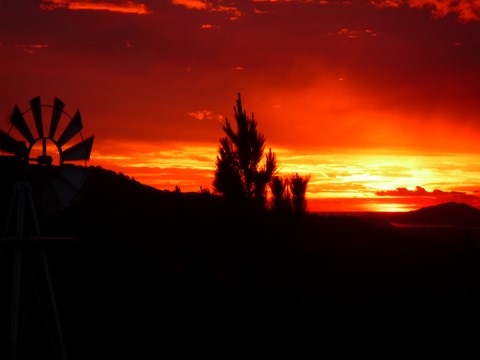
45 181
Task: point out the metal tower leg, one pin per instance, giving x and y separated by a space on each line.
63 354
15 314
22 194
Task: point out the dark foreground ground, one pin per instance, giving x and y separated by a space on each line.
328 296
186 280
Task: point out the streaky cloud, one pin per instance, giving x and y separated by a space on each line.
127 7
419 191
211 6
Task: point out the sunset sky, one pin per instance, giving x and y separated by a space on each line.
377 100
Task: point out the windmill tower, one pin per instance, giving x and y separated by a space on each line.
37 159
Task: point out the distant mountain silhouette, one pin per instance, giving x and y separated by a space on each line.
450 213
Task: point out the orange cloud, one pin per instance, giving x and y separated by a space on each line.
205 115
129 7
192 4
209 6
467 10
184 165
294 1
208 26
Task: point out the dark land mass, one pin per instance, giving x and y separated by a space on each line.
148 274
446 214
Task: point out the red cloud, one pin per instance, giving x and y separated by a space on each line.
33 48
354 33
467 10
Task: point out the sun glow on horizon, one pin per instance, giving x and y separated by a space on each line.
338 180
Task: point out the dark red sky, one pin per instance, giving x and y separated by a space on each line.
363 95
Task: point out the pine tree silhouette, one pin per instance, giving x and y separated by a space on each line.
239 174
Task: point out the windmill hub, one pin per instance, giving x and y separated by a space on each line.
44 152
44 160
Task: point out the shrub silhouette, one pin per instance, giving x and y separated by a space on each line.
281 199
239 176
288 193
298 188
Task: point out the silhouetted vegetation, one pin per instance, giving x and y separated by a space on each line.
281 198
239 175
298 188
289 194
241 178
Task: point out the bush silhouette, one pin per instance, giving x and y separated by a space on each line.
298 188
289 193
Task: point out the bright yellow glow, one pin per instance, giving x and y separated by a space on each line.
390 207
336 177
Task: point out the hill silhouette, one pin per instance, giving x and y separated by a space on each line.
449 213
156 272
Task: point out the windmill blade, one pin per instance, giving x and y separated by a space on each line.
56 196
19 123
74 176
50 203
11 145
64 194
63 189
80 151
73 127
37 115
57 112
